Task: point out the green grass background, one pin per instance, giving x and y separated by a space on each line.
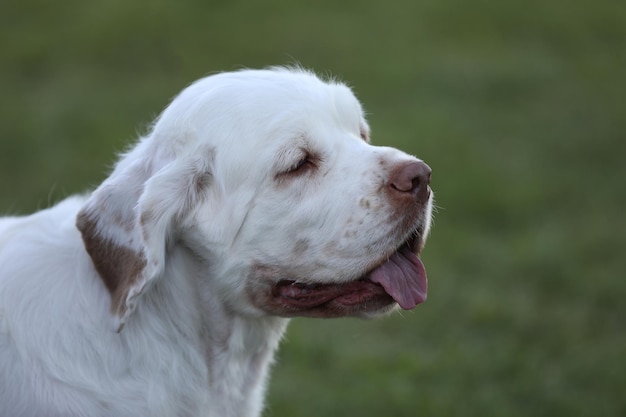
518 106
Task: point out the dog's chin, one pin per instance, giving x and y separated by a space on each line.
396 279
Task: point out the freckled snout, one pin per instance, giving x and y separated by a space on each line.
411 179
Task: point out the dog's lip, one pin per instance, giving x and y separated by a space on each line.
399 277
307 296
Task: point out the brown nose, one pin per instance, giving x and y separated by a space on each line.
411 178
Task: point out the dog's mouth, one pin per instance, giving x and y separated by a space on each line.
401 278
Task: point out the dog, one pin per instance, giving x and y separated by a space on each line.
255 197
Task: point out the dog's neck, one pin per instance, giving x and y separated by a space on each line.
239 353
237 350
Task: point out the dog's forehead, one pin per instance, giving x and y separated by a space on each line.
262 93
253 108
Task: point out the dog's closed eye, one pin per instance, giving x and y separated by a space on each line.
304 163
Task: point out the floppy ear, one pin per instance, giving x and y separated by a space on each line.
126 223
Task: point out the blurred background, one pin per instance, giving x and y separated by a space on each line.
518 106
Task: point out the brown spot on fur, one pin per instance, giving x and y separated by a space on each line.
118 266
119 219
364 133
349 233
300 246
146 217
201 182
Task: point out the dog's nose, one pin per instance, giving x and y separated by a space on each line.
411 178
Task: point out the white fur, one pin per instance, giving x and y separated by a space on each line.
198 205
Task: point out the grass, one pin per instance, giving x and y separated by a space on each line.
518 107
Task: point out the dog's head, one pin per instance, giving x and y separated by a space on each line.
268 179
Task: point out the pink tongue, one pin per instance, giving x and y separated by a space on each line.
403 277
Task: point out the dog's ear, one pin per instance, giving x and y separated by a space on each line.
127 221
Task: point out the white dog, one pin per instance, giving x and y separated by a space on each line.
255 197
